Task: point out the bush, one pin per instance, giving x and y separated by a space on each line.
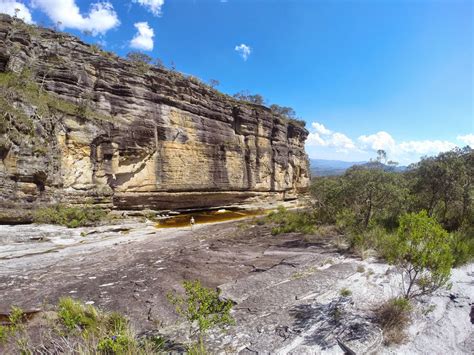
4 331
116 344
393 317
462 245
291 221
422 250
202 305
71 217
75 315
15 320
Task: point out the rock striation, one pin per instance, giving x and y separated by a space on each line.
78 124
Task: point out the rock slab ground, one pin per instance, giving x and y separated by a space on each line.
286 289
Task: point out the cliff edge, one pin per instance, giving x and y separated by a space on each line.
80 125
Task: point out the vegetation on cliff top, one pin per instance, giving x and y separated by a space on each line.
142 64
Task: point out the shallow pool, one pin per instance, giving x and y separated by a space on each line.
183 220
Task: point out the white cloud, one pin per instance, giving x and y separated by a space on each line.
315 139
321 136
9 6
101 17
379 140
243 50
467 139
154 6
425 147
323 141
319 127
143 39
341 142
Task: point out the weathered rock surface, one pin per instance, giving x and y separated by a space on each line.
286 288
134 137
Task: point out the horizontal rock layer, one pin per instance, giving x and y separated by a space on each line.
132 136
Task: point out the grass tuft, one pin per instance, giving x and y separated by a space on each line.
393 317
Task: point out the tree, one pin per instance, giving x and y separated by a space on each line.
139 57
246 96
443 186
372 193
214 83
284 111
159 63
381 156
422 251
140 60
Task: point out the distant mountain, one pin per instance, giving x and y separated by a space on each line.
323 167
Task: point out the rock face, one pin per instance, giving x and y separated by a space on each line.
130 135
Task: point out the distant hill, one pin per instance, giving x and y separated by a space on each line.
323 167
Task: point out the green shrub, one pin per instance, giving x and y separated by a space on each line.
4 332
75 315
15 319
462 245
422 250
116 344
393 317
202 305
292 221
71 217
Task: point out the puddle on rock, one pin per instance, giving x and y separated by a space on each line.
201 217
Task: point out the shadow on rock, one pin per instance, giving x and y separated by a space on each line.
322 324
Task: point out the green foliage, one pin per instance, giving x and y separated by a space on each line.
246 96
23 86
393 317
75 315
292 221
15 320
345 292
140 60
197 348
422 250
284 111
202 305
107 333
116 344
4 332
362 196
71 217
444 186
16 316
462 244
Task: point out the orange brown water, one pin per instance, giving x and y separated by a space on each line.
183 220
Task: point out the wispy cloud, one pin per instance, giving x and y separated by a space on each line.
100 18
143 39
244 50
154 6
15 8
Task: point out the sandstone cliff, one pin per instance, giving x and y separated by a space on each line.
81 125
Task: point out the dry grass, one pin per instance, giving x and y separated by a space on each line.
393 317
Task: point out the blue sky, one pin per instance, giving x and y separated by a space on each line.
364 74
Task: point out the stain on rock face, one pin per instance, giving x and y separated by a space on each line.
136 138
